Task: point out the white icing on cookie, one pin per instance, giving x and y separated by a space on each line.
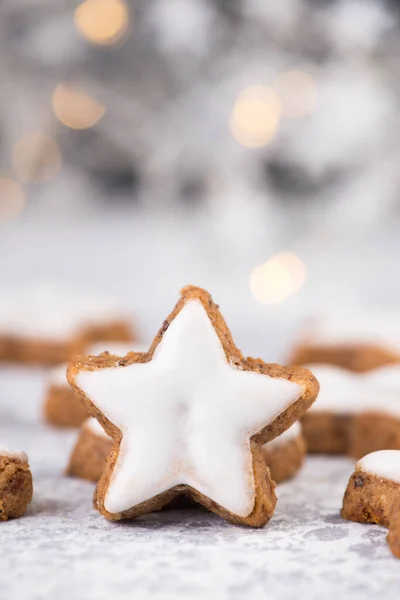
386 377
287 436
346 392
47 312
186 417
384 463
371 328
17 454
94 427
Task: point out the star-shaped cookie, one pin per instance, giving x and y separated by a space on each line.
190 416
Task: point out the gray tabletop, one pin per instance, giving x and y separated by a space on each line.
63 548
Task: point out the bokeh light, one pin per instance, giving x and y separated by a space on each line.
255 116
12 199
278 278
298 93
102 21
36 158
76 109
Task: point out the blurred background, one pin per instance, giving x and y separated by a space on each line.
245 146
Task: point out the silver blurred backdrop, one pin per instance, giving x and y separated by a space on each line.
245 146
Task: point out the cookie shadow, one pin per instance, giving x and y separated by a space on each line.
191 517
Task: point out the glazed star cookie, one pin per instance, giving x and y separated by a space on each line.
61 406
357 341
46 325
373 493
356 413
189 417
284 455
15 484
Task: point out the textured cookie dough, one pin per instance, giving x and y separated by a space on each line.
373 494
15 484
48 326
62 407
373 431
358 342
195 414
284 455
90 453
393 536
354 414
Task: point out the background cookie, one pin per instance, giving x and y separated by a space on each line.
285 454
358 341
15 484
373 488
47 325
373 493
355 413
90 453
393 536
61 406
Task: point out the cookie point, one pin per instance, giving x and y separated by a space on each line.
192 292
188 290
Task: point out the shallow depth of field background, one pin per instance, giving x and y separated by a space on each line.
246 146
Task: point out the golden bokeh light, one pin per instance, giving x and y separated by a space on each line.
298 93
278 278
36 158
76 109
102 21
12 199
255 116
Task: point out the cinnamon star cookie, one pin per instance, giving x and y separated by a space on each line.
373 494
190 417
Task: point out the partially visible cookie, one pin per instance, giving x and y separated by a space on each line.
190 416
356 341
373 488
393 536
355 413
15 484
285 454
373 494
47 325
62 407
89 455
376 429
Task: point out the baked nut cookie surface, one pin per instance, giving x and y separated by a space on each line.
46 325
373 493
15 484
190 416
285 454
355 413
393 536
358 342
64 408
90 453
